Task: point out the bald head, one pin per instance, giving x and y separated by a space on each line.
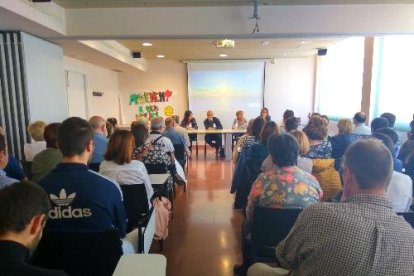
169 122
210 114
98 124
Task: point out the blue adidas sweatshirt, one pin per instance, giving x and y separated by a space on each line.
83 200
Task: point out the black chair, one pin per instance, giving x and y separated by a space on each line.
181 156
269 227
193 138
139 214
160 169
94 166
409 217
79 253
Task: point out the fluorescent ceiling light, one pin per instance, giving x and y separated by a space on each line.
223 55
146 44
160 56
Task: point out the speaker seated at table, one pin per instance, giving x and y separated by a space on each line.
214 140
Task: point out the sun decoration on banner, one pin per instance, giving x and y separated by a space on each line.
168 110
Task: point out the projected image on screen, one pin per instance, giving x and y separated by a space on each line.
225 88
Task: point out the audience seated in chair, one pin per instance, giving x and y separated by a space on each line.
241 141
119 166
317 132
182 130
342 140
359 121
24 209
189 122
100 141
38 143
4 159
93 202
285 187
344 238
328 177
176 137
46 160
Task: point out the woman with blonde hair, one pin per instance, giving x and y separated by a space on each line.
118 163
38 143
342 140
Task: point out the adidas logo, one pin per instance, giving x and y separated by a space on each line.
63 212
62 200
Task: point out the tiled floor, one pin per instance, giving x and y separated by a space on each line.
205 231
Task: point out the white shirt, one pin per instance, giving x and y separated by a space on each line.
30 150
362 129
400 192
168 145
128 174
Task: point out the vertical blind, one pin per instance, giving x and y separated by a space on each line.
14 108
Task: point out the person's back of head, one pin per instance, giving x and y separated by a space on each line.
386 140
390 132
120 147
73 136
157 123
98 124
378 123
113 121
291 123
390 118
303 141
3 152
141 134
360 118
269 129
288 114
176 119
316 129
257 127
36 130
368 162
345 126
24 208
51 134
284 149
169 122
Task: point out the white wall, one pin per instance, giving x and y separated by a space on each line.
289 84
45 80
101 80
160 75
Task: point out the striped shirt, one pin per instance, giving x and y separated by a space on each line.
361 236
5 180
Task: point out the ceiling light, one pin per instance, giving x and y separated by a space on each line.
160 56
265 43
305 42
146 44
223 55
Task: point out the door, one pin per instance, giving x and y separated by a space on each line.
77 97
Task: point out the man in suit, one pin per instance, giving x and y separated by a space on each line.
213 140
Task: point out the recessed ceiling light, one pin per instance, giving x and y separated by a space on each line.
265 43
146 44
160 56
305 42
223 55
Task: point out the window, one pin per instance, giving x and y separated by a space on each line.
339 79
393 79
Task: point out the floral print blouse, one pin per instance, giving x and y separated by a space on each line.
285 187
321 151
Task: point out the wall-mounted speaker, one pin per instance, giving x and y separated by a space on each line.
41 1
322 52
136 54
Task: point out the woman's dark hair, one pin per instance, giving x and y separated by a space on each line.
113 121
257 127
378 123
291 123
141 134
187 115
316 129
288 114
386 140
51 134
269 129
284 149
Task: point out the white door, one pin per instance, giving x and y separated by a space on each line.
77 97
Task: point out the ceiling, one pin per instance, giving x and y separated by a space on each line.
73 4
204 49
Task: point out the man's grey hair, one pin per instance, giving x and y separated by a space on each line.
157 123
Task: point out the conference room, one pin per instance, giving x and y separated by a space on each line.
131 58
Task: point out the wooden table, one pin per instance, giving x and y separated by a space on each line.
141 264
228 137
